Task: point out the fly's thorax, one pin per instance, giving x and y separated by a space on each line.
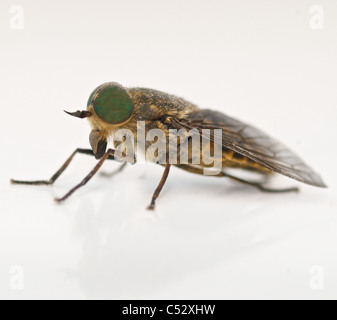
153 104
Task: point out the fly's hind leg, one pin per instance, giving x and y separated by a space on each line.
60 171
199 170
259 185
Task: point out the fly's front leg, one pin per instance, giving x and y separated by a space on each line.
160 187
58 173
108 155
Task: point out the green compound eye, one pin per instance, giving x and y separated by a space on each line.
111 103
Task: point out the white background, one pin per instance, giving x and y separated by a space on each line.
259 61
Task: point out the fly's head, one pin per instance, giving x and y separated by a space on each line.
109 106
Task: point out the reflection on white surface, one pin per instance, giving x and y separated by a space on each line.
208 238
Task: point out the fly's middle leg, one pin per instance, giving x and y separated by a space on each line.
113 173
160 187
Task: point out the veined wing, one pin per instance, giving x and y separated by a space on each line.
251 143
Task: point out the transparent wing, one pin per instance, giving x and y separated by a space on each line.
251 143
